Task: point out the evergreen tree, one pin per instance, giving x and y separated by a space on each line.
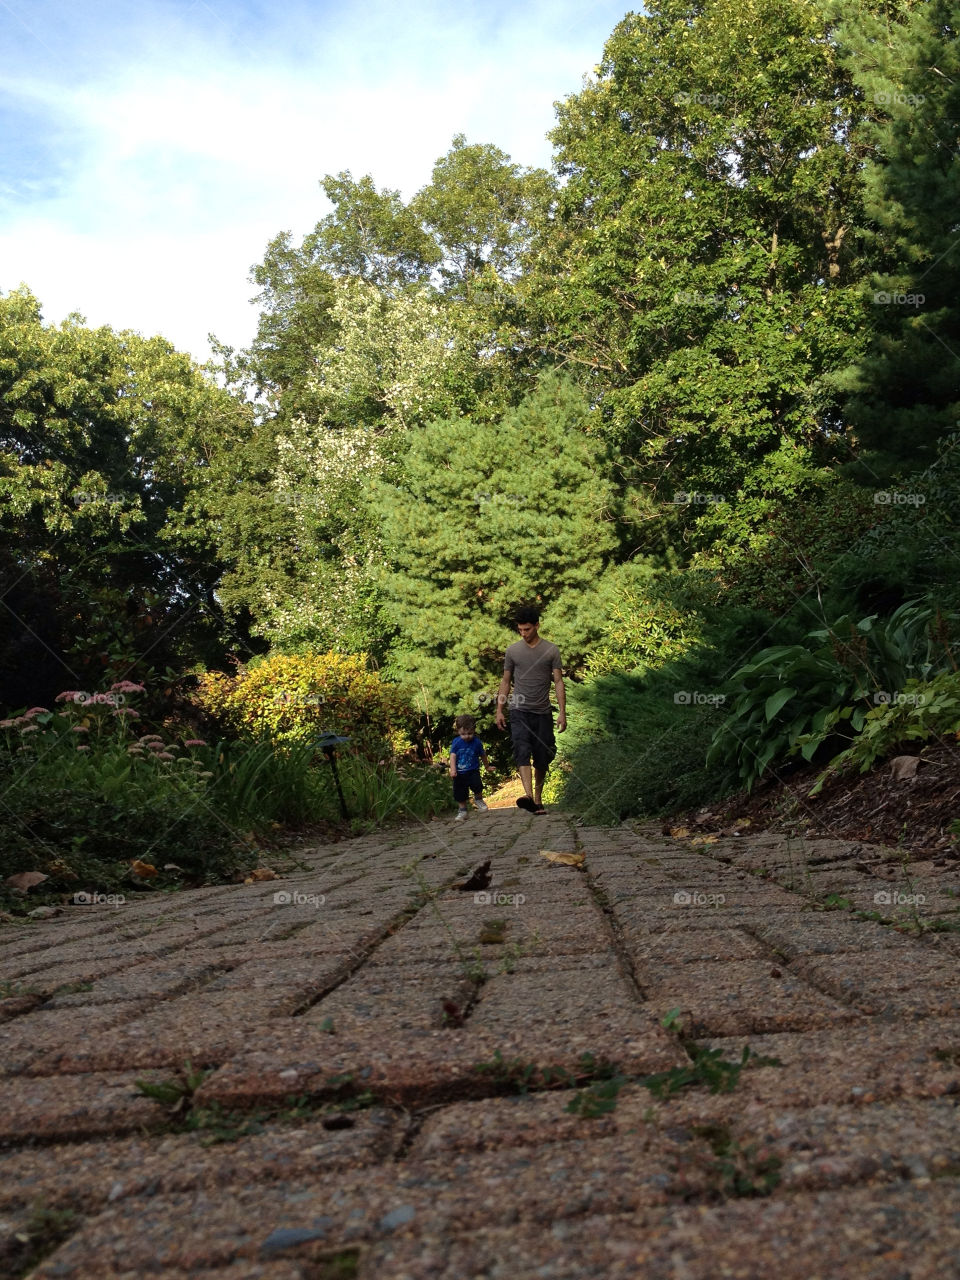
487 516
905 391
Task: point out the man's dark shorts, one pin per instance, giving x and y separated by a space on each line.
464 783
532 733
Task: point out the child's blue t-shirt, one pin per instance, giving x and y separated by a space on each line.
468 754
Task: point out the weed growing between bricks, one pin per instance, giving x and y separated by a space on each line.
738 1171
340 1095
44 1231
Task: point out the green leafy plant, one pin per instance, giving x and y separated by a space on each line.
922 711
44 1230
177 1092
708 1067
795 697
739 1171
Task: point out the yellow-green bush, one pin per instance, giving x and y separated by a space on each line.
290 697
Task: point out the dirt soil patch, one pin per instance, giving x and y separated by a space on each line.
892 804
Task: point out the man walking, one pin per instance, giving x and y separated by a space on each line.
531 663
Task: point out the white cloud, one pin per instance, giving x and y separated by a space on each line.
173 165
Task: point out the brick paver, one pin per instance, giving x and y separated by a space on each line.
391 1077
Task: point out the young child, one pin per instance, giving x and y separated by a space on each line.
466 752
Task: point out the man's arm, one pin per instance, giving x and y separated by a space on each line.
561 699
502 694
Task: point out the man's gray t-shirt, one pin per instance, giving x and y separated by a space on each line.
532 668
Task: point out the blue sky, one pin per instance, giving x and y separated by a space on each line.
149 149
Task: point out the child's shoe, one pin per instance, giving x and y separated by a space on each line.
481 806
461 814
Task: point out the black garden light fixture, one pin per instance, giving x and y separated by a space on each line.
328 743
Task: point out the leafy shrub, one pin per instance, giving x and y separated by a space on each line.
296 697
651 622
923 710
785 698
632 748
84 797
768 552
381 793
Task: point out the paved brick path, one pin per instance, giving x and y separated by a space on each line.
385 1091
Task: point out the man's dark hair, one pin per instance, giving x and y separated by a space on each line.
529 613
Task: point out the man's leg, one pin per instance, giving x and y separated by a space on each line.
544 750
525 771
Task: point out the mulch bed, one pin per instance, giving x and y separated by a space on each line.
882 807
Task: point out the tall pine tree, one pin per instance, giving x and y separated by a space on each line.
487 516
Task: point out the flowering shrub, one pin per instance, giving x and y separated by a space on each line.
85 797
297 697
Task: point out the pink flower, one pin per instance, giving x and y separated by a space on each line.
71 695
6 724
151 737
126 686
195 742
155 746
79 728
164 755
127 711
83 748
36 711
30 728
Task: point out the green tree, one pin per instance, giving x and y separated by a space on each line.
387 315
702 268
905 389
104 439
487 515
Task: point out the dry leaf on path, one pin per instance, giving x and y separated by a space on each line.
261 873
567 859
143 869
25 880
679 832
